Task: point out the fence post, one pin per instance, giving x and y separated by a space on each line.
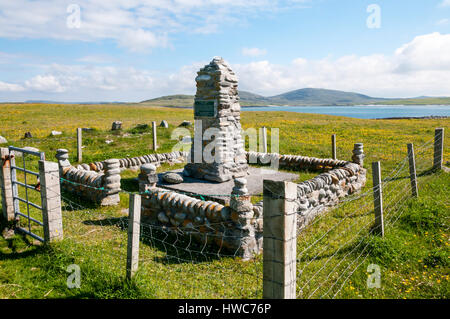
378 199
79 144
155 146
412 170
280 240
134 230
263 140
333 146
438 148
6 185
51 201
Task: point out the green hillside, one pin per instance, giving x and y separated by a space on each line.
302 97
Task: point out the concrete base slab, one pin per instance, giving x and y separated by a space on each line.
212 191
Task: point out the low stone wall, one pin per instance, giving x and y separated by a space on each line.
294 162
102 188
340 179
325 190
136 162
236 229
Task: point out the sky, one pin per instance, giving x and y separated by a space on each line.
130 50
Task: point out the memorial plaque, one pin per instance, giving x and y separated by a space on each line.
205 109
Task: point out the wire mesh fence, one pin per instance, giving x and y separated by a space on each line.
193 262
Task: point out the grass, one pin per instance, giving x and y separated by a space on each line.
413 255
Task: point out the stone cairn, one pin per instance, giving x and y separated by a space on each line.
102 188
217 106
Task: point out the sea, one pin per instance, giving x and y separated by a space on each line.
363 111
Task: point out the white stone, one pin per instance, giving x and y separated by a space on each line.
3 140
54 133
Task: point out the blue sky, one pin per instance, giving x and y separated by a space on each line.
127 50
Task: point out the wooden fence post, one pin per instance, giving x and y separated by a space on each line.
134 231
79 144
412 170
155 146
333 146
51 201
263 139
6 185
280 240
438 148
378 199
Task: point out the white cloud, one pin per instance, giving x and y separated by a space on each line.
253 52
10 87
443 22
445 3
46 83
136 25
420 67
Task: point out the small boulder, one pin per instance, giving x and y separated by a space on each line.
28 135
164 124
54 133
186 123
3 140
116 125
109 141
172 178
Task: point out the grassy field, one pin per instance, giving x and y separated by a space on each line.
413 257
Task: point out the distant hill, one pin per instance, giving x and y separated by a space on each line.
309 96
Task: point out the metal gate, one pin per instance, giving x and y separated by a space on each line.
25 198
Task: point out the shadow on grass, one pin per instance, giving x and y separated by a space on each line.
178 249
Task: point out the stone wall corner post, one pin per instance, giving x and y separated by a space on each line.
62 155
6 185
242 213
111 183
280 240
358 154
51 201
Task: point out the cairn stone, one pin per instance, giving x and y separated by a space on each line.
173 178
358 154
147 177
62 155
217 106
